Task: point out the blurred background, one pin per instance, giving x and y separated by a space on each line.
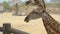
10 6
15 11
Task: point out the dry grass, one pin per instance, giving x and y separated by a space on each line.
33 27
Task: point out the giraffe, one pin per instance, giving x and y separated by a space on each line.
51 25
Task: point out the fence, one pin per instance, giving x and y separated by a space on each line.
6 29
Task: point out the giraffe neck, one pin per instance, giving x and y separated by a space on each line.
51 22
46 17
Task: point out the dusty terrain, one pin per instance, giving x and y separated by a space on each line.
33 27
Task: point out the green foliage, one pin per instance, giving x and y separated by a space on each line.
6 5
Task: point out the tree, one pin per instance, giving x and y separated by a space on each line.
16 8
6 5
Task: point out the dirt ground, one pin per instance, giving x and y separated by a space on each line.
33 27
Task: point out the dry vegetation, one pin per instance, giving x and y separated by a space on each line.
53 8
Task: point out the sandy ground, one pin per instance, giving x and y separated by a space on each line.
33 27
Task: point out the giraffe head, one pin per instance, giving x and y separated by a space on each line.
33 15
37 12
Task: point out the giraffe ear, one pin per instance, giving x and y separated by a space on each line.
28 2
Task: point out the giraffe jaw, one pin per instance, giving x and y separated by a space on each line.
26 21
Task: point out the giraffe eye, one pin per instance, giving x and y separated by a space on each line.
36 12
35 0
43 11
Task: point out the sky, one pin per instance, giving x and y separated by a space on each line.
21 0
3 0
48 0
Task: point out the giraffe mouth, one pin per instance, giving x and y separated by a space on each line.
26 19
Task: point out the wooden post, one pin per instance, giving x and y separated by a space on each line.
6 28
1 29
